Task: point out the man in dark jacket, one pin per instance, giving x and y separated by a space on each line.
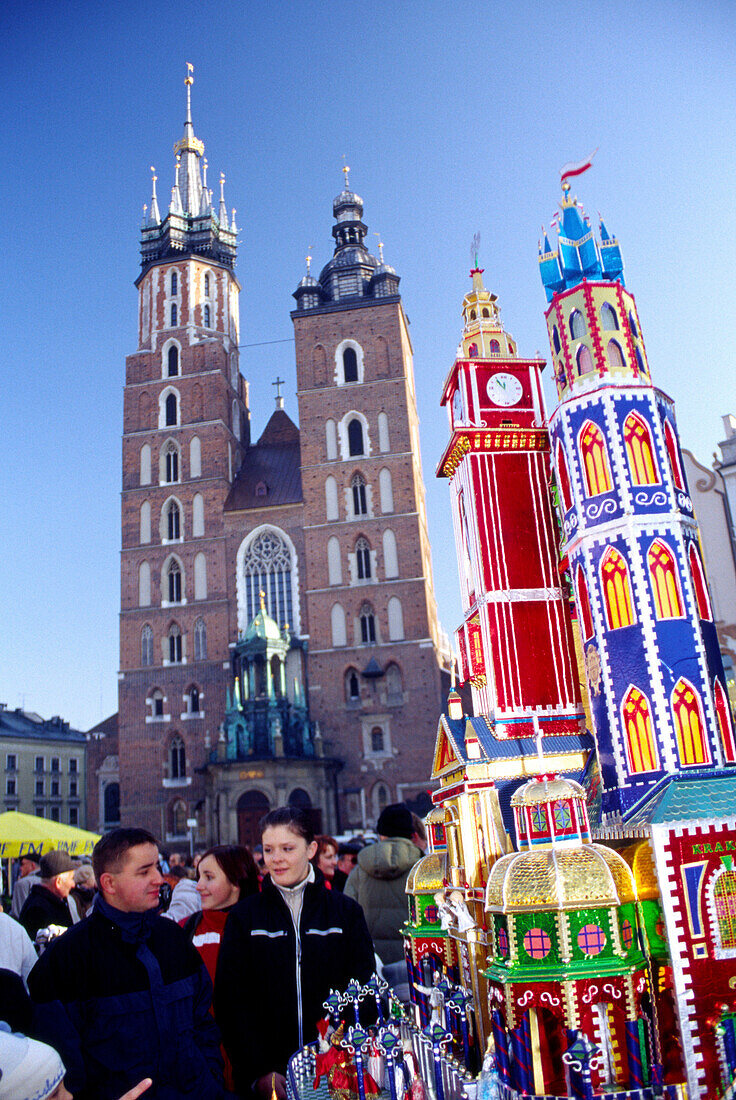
46 904
132 994
378 882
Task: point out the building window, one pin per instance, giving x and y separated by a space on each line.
177 759
577 325
157 704
563 479
147 645
495 347
10 786
200 641
174 576
363 559
673 453
377 739
206 316
111 804
352 686
193 700
356 445
74 815
639 451
174 314
54 813
614 356
585 616
179 818
701 589
556 339
73 766
268 566
350 365
665 585
357 486
616 590
584 360
641 749
206 284
11 762
367 625
39 788
170 410
174 283
537 943
175 645
689 726
171 462
591 939
55 788
173 522
39 764
595 460
609 319
55 764
73 788
39 811
173 361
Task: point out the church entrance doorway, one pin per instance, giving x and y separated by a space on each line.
252 805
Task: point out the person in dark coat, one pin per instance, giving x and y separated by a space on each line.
132 994
46 904
282 952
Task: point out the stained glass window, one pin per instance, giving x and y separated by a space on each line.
665 585
591 939
627 934
639 452
725 723
539 818
616 590
689 729
503 942
701 588
268 567
640 746
563 817
537 943
595 460
673 454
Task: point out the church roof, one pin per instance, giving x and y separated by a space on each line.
687 797
270 474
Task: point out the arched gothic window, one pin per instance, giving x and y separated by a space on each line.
268 565
171 410
179 818
673 453
639 451
563 479
173 361
595 460
394 685
363 559
206 316
495 347
174 579
352 686
725 721
377 743
614 356
367 625
360 504
173 521
395 620
147 645
724 897
157 703
584 360
701 588
665 584
174 314
174 283
356 445
586 619
687 712
616 590
609 317
350 365
206 284
641 748
193 700
556 339
578 327
175 645
200 641
171 462
337 622
177 759
473 351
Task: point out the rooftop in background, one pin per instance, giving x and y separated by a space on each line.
269 475
27 724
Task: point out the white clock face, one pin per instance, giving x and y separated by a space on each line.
504 389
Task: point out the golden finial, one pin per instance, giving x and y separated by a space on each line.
380 245
273 1087
309 260
190 73
262 595
346 171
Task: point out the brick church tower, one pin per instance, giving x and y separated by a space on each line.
186 424
375 662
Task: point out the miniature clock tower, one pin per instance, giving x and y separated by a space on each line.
515 645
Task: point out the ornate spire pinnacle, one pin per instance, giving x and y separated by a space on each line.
189 81
380 246
223 209
155 215
309 260
346 172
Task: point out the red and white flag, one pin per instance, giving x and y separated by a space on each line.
569 171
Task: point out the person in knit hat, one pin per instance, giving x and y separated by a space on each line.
30 1070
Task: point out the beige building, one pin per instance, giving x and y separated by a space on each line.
44 764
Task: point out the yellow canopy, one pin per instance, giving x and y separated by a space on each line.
19 832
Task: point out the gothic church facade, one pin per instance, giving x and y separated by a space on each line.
322 526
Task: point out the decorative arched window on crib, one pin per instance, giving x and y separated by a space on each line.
268 564
616 590
641 748
586 619
639 451
673 453
609 317
556 339
705 611
584 360
578 327
687 713
495 347
594 454
665 582
725 720
171 410
178 818
614 356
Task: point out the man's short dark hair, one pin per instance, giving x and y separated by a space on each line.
110 850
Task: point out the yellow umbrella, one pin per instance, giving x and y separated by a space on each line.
19 832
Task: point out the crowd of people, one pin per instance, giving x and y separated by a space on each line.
200 978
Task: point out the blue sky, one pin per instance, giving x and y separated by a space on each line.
455 118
